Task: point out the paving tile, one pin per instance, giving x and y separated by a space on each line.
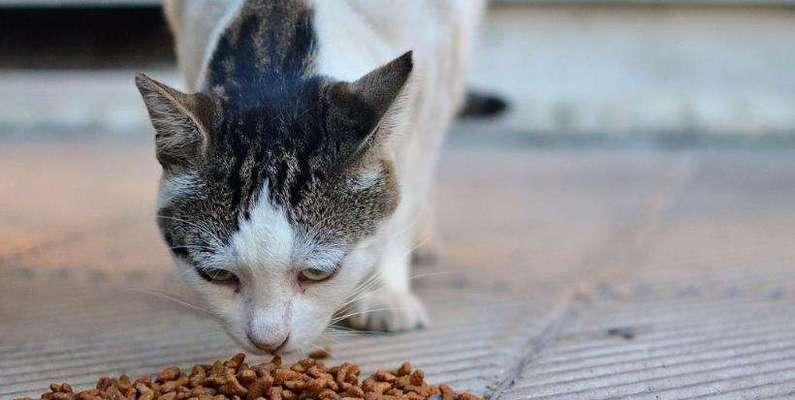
567 274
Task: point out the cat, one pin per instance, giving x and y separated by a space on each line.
296 169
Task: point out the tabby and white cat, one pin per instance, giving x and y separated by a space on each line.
299 165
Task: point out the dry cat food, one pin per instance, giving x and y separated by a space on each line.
234 379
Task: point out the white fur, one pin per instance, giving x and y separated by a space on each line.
174 187
354 37
227 19
266 255
266 239
367 179
374 32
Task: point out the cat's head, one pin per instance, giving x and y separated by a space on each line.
271 203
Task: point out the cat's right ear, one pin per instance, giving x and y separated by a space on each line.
180 134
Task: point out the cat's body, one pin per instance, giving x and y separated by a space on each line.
279 163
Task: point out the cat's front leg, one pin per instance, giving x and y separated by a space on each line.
391 306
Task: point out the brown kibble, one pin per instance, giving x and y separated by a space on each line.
375 386
447 392
260 388
88 396
314 386
383 376
233 387
404 369
282 375
140 387
147 396
295 385
415 396
169 387
327 394
416 389
218 368
235 361
168 396
354 391
317 371
197 376
417 377
144 379
298 368
55 387
264 369
234 379
347 373
168 374
320 354
246 376
288 395
276 393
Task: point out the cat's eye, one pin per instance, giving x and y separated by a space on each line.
315 274
217 275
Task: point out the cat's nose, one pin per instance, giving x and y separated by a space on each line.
273 347
273 341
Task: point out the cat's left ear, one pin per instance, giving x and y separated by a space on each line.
361 106
180 133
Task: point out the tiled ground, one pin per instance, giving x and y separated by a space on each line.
568 273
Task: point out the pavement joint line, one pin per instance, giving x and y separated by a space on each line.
533 347
647 219
634 237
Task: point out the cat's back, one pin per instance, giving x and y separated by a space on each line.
353 36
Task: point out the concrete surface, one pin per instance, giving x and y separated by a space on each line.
622 69
569 273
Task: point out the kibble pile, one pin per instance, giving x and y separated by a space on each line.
234 379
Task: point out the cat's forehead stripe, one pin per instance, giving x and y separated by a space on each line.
267 238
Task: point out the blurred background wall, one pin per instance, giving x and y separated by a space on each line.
671 71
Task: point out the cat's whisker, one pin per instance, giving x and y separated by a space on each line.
363 291
173 299
371 281
426 274
346 316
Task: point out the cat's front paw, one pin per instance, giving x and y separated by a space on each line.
389 311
